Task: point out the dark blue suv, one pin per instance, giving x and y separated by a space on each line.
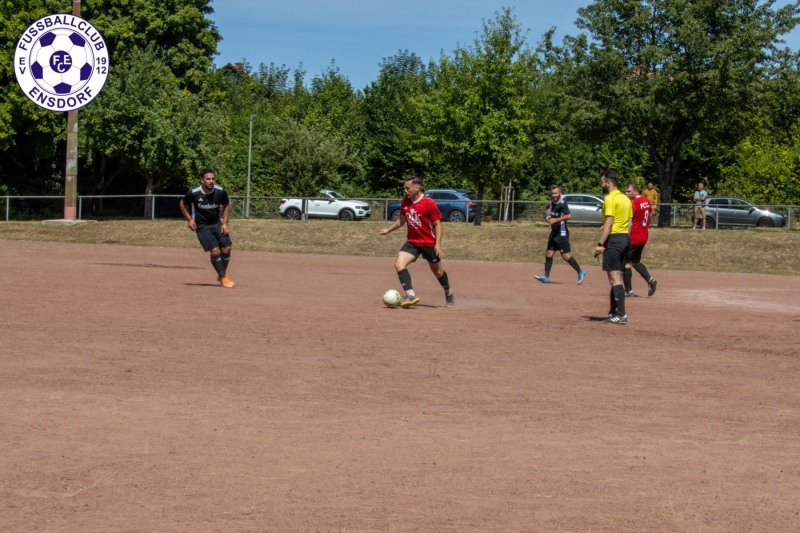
455 205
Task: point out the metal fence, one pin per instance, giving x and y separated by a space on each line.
163 206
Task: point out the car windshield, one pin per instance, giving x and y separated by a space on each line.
333 194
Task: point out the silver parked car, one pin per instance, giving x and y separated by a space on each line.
584 208
729 211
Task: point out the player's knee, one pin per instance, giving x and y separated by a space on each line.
226 250
214 251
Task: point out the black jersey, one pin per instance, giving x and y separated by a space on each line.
557 210
206 208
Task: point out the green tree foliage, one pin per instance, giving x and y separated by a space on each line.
392 121
292 158
763 170
179 31
663 71
476 115
156 132
178 36
31 158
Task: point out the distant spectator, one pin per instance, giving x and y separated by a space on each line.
651 194
700 198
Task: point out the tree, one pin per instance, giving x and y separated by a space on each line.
392 120
477 114
661 72
179 35
155 130
179 31
31 138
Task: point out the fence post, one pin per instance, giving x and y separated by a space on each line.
8 204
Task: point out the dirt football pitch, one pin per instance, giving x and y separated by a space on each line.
138 395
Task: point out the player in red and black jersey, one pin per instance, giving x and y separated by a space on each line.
424 238
640 229
206 209
559 236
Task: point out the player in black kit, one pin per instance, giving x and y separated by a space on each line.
208 218
559 236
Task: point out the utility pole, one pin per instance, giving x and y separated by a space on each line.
71 171
249 159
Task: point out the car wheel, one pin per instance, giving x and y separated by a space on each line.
765 222
394 215
346 214
293 214
710 223
455 216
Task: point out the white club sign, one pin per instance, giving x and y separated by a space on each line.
61 62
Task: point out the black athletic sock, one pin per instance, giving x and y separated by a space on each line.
619 298
405 280
226 258
216 262
574 264
641 269
612 309
548 264
627 279
443 281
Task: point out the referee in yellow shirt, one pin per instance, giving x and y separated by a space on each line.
615 242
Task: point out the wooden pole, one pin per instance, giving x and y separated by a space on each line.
71 174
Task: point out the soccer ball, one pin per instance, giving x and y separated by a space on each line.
391 298
61 61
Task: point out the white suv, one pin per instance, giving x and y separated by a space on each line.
329 204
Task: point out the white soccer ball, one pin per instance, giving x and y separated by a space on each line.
61 61
391 298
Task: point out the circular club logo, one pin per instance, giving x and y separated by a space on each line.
61 62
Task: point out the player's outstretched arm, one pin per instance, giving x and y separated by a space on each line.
397 224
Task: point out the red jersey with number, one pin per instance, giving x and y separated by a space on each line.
420 216
640 223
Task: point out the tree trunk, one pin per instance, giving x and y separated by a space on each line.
669 162
478 206
148 191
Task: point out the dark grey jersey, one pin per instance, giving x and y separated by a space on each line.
206 209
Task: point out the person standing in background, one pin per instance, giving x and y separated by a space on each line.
700 197
652 197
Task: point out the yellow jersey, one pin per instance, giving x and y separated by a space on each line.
619 206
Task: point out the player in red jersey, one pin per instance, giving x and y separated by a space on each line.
424 238
640 229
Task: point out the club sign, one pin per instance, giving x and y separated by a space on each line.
61 62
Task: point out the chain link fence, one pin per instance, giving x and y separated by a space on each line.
165 206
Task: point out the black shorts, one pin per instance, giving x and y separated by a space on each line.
616 254
635 253
428 252
558 242
211 237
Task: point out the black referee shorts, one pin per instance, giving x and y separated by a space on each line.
616 254
211 237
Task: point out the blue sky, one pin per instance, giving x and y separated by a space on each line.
359 34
